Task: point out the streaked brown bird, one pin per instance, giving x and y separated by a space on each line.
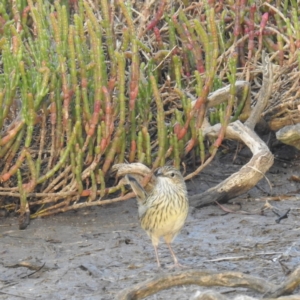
164 208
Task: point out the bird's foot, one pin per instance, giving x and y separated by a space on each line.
177 266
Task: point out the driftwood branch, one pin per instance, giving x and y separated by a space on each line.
221 95
209 295
254 170
248 176
262 159
206 278
202 278
212 295
288 286
264 93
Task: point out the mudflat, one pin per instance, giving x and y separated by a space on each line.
94 253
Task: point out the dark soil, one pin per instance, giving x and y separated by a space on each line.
95 253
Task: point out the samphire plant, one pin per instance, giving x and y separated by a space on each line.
87 84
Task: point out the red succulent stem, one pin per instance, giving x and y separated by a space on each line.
158 15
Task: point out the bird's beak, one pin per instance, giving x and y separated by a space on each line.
157 173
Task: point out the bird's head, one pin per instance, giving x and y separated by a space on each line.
171 173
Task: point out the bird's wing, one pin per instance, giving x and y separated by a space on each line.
136 170
133 168
137 188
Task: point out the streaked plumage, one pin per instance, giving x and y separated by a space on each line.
164 208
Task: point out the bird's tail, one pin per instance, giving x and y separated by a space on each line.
139 191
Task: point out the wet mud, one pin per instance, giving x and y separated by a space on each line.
95 253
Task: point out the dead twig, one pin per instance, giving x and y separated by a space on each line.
233 211
280 198
242 256
37 270
14 295
277 213
284 216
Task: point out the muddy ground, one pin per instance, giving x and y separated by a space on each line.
94 253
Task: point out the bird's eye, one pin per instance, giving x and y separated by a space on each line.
172 174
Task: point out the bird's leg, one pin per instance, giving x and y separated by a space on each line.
176 263
173 254
156 254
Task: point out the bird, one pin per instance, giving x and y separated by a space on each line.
163 209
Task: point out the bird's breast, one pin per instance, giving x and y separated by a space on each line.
164 212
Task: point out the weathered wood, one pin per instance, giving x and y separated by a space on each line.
212 295
207 278
202 278
221 95
248 176
264 93
289 135
288 286
262 159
